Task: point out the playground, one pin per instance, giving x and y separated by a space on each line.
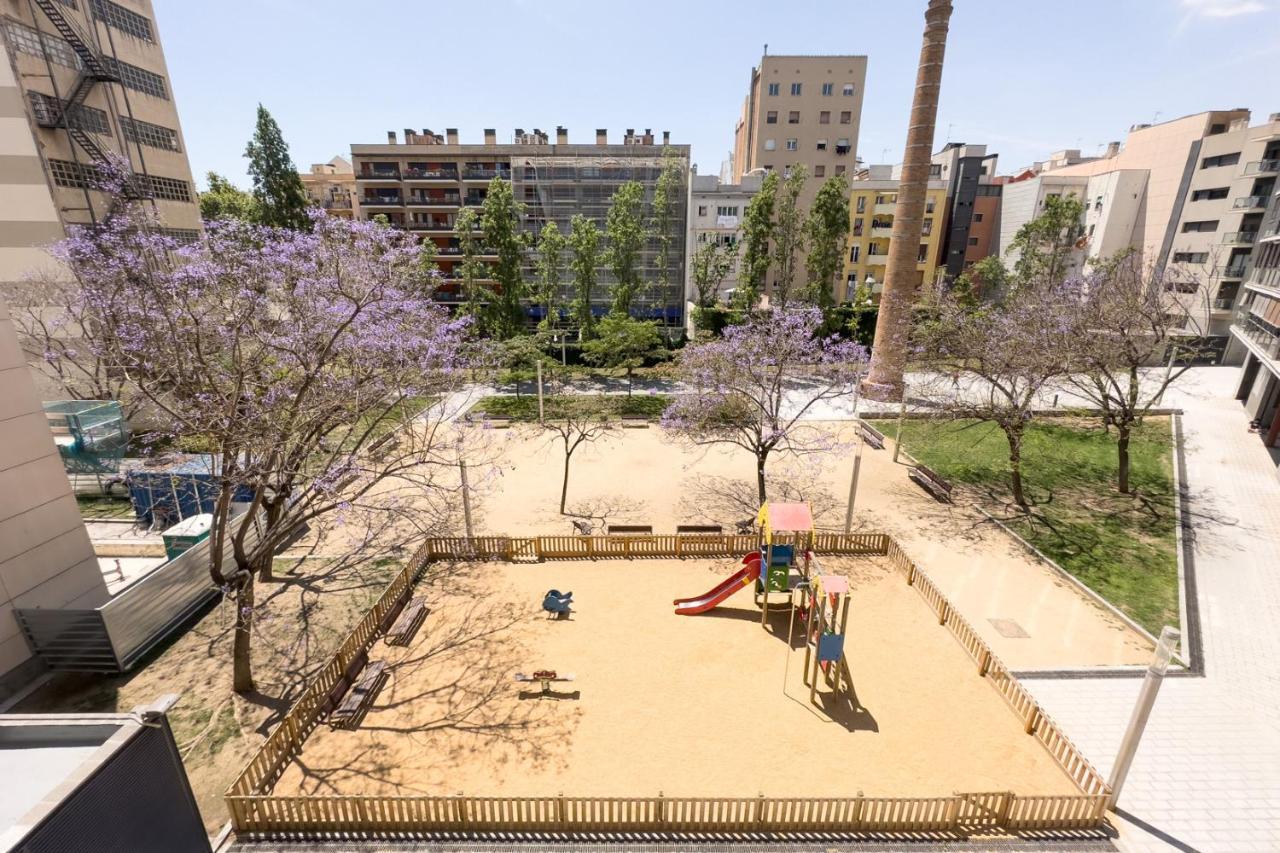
647 700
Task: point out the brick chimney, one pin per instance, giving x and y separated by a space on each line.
562 135
490 136
391 137
666 137
602 136
451 135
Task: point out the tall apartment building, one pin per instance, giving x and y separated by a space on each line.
420 184
716 210
332 186
872 202
1255 330
92 83
973 204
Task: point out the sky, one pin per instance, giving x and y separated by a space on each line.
1026 77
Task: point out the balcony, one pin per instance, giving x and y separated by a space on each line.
446 200
1250 327
1234 270
444 227
1250 202
430 174
485 174
1262 167
1241 238
887 207
876 260
1223 303
380 175
378 200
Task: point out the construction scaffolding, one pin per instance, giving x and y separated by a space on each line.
91 435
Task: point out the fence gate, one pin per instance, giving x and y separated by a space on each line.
983 811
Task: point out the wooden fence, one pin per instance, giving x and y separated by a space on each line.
255 811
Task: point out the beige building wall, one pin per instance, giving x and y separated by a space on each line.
332 186
716 213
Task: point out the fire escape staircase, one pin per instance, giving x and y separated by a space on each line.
62 114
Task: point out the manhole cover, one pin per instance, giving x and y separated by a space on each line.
1009 628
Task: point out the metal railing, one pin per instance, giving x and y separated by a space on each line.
1262 167
1249 201
372 175
444 174
256 811
1245 237
370 200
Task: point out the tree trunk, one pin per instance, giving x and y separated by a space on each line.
564 485
628 383
242 643
760 487
1015 469
893 325
1122 451
267 560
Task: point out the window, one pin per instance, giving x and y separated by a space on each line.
182 235
792 144
1220 160
846 117
136 78
122 19
773 88
828 89
842 146
26 40
48 109
819 171
770 144
170 189
727 211
926 228
862 203
929 205
80 176
977 217
793 117
822 145
771 117
1202 225
702 210
1190 257
839 168
922 254
1209 195
973 241
1097 203
146 133
795 88
848 90
854 251
824 117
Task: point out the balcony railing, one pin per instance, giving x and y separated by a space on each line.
1233 270
371 200
1262 167
436 200
1223 303
431 226
442 174
1250 201
381 175
486 174
1243 237
1248 326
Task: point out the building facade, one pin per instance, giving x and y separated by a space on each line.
92 84
422 183
332 186
1255 329
716 210
872 202
973 205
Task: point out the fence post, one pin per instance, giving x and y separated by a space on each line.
943 612
858 805
984 661
459 809
561 814
1006 804
1032 719
952 816
661 816
911 574
677 544
759 808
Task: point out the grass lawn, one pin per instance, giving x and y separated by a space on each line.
96 506
525 408
1123 547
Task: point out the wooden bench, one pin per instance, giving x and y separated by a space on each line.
635 422
356 703
407 624
698 529
630 530
929 480
871 435
497 421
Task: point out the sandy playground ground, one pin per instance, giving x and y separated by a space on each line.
709 705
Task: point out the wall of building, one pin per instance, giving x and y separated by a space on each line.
716 211
871 206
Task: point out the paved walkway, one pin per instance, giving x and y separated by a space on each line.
1207 776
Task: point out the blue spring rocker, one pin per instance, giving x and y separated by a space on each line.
557 603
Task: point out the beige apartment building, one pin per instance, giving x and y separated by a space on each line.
716 211
92 83
332 186
421 183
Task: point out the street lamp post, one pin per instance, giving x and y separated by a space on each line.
1169 638
857 461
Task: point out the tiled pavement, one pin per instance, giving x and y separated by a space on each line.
1207 776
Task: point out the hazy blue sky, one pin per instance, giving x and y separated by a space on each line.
1024 76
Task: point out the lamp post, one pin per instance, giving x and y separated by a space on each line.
1169 638
857 461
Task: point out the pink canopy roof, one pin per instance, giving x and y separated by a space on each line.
790 517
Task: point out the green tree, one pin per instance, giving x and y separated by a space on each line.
224 200
500 221
788 236
518 357
550 266
757 232
1045 244
276 184
987 278
624 228
711 262
584 248
666 195
827 228
472 270
624 343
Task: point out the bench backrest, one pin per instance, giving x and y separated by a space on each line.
616 529
698 528
934 476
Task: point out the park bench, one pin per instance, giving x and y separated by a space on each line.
635 422
407 624
497 421
698 529
931 482
630 530
746 526
355 704
871 435
582 528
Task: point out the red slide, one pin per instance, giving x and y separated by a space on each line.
749 572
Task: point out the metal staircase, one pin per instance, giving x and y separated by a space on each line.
62 113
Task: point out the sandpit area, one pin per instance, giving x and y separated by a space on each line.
707 705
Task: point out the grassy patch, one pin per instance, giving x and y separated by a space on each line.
1122 546
101 506
526 408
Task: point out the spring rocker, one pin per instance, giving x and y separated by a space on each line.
786 540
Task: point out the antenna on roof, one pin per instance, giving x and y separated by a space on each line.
766 48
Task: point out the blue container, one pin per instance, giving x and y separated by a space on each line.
177 487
